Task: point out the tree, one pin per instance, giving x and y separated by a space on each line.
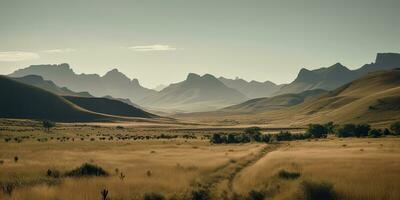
330 127
375 133
284 136
47 125
317 130
231 138
362 130
395 127
254 133
216 138
347 130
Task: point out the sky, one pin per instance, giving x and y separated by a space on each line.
160 42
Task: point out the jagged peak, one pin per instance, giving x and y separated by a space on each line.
191 76
135 81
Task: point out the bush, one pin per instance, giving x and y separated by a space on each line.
387 132
317 131
288 175
47 125
254 133
330 127
87 169
216 138
347 130
200 194
153 196
375 133
362 130
284 136
317 191
53 173
256 195
395 127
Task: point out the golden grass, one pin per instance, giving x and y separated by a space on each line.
358 168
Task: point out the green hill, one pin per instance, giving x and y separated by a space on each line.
108 106
23 101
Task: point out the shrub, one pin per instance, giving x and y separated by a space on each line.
87 169
362 130
284 136
330 127
53 173
317 191
254 133
288 175
216 138
256 195
317 130
8 188
153 196
16 158
200 194
347 130
47 125
375 133
104 194
395 127
387 132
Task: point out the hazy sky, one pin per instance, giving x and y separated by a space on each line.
161 41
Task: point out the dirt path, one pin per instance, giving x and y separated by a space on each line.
219 184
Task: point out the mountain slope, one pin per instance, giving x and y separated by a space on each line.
24 101
373 98
273 103
39 82
108 106
196 93
337 75
113 83
252 89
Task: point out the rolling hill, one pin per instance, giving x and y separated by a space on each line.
20 100
264 104
108 106
196 93
252 89
373 98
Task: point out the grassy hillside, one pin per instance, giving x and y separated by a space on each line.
374 98
108 106
273 103
24 101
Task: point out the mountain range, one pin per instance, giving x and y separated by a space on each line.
372 98
113 83
196 93
201 93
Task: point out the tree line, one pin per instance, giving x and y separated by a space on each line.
253 134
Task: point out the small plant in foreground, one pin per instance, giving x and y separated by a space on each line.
16 158
104 194
288 175
153 196
8 188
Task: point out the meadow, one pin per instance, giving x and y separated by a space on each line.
172 163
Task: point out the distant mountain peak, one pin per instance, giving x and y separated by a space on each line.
192 76
387 58
135 81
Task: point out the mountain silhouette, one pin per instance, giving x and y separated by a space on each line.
252 89
113 83
196 93
337 75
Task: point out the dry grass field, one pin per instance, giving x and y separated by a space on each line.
180 167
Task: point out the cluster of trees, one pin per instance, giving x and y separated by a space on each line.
314 131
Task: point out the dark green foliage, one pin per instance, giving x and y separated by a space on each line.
53 173
330 127
375 133
47 125
362 130
256 195
387 132
395 127
254 133
284 136
347 130
200 194
216 138
153 196
87 169
317 191
317 131
288 175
